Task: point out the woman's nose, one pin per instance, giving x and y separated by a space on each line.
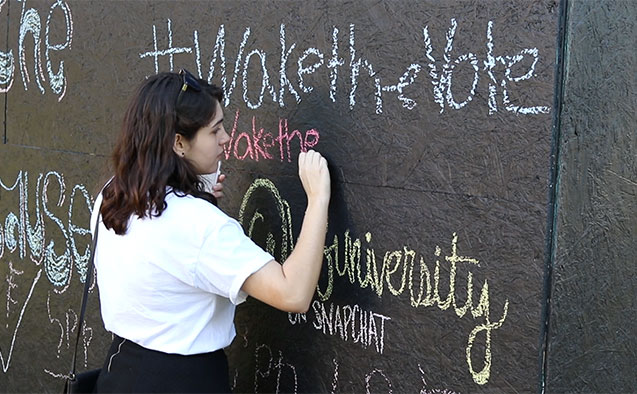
224 137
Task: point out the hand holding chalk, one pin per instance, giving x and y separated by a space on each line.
315 176
217 184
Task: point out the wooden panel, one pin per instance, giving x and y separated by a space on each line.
593 328
435 117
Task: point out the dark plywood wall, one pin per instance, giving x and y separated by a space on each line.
436 118
593 328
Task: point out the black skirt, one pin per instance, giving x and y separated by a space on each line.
130 368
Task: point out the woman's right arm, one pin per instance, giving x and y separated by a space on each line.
290 286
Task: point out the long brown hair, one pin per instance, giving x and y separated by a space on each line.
143 158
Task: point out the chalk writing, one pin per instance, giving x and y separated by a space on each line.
351 323
53 320
10 286
441 77
425 390
311 60
396 271
283 209
297 318
256 146
170 51
390 268
279 374
5 358
35 241
30 24
87 336
379 372
57 80
234 380
279 367
335 380
56 375
66 331
27 236
57 267
265 80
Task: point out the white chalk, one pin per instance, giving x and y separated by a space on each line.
217 173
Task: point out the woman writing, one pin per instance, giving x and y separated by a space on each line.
171 266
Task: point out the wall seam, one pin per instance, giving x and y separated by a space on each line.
553 192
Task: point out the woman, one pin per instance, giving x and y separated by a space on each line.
171 266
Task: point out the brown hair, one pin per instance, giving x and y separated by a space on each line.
143 158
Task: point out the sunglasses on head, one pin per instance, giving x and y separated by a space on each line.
188 81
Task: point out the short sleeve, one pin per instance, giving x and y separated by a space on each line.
227 258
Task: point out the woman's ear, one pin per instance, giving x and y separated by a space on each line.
181 145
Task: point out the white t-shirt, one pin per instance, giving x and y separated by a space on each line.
171 283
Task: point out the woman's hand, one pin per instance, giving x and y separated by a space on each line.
315 176
217 189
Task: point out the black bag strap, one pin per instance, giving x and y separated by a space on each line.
87 285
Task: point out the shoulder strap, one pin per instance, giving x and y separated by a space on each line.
87 285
